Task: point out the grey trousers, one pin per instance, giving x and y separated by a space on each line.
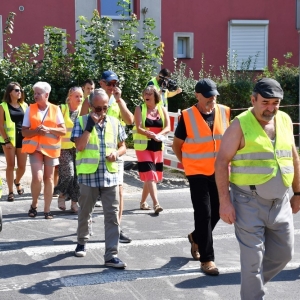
110 203
265 232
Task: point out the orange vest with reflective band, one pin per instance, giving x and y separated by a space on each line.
50 144
201 145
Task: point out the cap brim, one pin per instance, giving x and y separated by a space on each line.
112 79
211 93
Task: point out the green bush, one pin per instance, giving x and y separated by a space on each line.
235 86
288 76
87 57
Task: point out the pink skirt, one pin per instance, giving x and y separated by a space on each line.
150 165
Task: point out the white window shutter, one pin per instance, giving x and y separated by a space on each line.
249 38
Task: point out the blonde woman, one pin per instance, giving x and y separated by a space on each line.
152 123
68 186
12 111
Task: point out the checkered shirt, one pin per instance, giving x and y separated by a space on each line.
102 177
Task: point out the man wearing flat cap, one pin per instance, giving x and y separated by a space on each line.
259 146
196 144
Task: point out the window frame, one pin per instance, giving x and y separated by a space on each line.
118 17
249 23
189 41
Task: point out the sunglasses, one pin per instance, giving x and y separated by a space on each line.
99 108
17 90
116 84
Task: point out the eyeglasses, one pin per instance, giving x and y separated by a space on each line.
116 84
17 90
99 108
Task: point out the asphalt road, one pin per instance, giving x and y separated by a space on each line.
37 256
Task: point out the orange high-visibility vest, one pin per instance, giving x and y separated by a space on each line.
201 145
50 144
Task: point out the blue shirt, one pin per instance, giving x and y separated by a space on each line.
102 177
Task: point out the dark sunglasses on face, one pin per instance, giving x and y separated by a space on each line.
17 90
99 108
116 84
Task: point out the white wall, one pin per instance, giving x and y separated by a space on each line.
84 8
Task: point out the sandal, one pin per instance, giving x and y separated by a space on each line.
157 209
61 203
10 197
32 212
145 206
74 207
21 190
48 215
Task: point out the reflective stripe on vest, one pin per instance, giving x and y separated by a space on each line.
201 145
141 141
49 144
87 161
259 160
9 125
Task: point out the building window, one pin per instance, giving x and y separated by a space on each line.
183 45
55 38
1 38
248 38
110 8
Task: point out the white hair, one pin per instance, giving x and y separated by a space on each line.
97 92
45 86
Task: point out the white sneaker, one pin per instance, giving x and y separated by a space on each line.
98 204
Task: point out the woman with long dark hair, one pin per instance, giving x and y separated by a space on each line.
12 110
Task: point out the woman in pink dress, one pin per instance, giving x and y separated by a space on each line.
152 122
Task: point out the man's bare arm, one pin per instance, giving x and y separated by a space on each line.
85 107
231 141
177 145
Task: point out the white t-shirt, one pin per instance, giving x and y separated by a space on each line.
26 120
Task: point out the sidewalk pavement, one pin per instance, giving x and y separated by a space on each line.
128 157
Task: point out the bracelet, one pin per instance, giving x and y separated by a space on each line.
296 193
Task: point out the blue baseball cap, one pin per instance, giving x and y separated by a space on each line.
109 76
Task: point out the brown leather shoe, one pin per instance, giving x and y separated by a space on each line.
194 248
209 268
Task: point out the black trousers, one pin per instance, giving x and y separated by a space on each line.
205 199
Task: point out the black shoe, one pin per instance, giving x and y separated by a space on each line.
124 238
115 262
80 251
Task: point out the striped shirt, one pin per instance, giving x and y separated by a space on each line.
102 177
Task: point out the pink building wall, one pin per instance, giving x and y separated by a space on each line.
209 22
29 24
